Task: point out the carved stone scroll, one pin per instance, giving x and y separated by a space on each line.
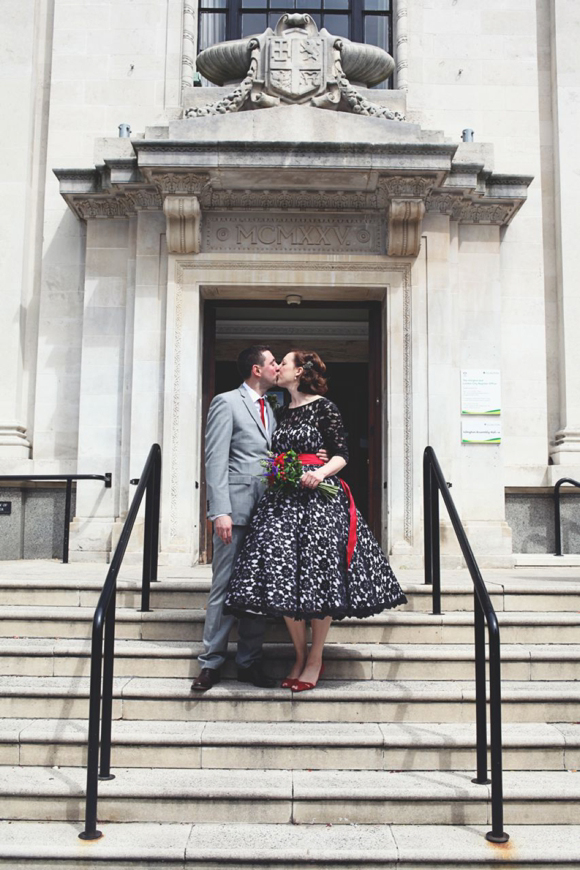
183 214
405 221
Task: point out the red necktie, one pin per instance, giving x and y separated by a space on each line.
262 414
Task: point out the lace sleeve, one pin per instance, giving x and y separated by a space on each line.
333 431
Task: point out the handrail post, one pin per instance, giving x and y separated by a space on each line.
107 709
557 519
436 545
156 517
151 533
480 699
427 520
147 547
497 833
67 508
90 832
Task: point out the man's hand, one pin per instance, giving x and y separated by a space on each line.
223 528
322 454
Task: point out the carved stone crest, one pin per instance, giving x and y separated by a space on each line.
295 63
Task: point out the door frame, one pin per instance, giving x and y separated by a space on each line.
377 392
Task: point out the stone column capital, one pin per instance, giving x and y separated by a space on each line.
405 219
183 214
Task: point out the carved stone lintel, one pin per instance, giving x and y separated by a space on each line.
183 215
405 220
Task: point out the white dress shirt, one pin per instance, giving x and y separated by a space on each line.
255 397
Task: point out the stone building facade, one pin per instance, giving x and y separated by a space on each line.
133 268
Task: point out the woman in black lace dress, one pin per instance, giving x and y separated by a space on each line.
297 560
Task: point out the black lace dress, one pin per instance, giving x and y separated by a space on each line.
293 560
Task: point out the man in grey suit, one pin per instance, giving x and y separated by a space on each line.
238 435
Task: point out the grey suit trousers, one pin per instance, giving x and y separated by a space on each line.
217 626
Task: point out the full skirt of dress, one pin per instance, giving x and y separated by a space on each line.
293 561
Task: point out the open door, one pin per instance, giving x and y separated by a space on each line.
355 384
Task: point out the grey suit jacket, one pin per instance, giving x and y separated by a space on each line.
235 442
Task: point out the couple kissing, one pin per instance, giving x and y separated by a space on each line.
292 550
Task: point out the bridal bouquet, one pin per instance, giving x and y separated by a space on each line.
283 474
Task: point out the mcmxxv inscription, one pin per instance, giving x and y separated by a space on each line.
283 233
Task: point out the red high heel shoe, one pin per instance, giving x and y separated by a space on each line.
288 683
301 686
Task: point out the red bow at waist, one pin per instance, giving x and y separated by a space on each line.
312 459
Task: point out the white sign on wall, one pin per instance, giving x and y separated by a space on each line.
480 391
481 431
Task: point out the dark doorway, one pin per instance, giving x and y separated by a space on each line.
353 366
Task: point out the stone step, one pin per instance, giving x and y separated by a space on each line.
336 797
390 627
333 701
41 845
288 745
187 593
178 659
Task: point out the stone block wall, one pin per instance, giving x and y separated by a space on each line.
35 527
531 517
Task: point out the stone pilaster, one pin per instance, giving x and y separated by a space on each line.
566 123
475 333
102 407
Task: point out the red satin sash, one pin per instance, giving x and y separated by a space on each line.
312 459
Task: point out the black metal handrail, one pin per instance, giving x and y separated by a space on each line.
101 682
68 498
557 517
433 484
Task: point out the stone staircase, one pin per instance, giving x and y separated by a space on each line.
372 769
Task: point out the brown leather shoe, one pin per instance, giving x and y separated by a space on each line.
206 678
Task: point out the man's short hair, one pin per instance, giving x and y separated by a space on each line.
250 357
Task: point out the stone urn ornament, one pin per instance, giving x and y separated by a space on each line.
295 64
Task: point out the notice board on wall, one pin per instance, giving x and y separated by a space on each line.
481 392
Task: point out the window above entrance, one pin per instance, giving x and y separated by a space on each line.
368 21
